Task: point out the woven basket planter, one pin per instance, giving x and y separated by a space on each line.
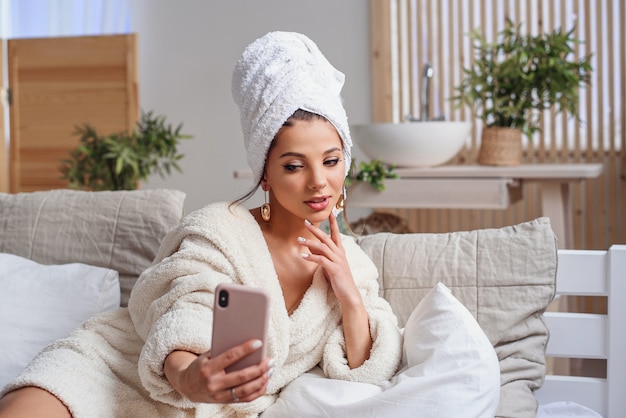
500 146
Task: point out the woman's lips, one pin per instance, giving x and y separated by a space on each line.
318 203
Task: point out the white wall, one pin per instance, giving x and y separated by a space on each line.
187 49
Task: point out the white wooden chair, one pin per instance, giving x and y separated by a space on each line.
590 336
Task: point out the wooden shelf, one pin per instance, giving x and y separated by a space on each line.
441 193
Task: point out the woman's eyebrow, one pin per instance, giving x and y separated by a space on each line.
299 155
334 149
292 154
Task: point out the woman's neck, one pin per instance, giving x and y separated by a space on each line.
282 226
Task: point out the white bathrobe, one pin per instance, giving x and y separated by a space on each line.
113 364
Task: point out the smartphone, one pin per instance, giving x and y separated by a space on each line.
240 313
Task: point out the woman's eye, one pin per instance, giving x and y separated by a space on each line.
332 161
292 167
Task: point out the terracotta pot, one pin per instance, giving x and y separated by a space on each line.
500 146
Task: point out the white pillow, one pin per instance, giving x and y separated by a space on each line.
444 343
42 303
450 369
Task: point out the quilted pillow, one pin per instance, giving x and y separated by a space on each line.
504 276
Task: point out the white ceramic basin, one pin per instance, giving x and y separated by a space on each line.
412 144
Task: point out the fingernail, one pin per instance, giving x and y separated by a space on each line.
270 372
271 363
301 239
306 221
257 344
305 255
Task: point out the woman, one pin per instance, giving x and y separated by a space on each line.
154 359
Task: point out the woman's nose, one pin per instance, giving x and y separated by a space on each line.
317 179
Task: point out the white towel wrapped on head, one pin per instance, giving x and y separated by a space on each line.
278 74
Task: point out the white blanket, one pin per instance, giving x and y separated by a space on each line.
566 409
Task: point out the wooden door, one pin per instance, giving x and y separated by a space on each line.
57 84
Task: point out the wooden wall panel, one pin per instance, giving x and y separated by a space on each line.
381 60
57 84
4 158
440 28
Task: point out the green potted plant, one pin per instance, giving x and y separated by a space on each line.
119 161
512 80
374 173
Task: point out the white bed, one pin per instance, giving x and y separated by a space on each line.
591 336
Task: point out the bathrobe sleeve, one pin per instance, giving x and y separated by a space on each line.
171 305
171 308
386 351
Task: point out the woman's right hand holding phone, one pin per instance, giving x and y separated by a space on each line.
201 378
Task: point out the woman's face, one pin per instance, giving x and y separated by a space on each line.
305 170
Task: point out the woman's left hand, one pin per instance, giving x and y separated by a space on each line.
329 253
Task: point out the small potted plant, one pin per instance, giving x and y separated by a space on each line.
373 173
119 161
511 81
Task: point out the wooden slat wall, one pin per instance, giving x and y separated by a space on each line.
4 159
436 31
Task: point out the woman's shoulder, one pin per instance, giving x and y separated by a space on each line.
218 216
358 259
218 211
350 241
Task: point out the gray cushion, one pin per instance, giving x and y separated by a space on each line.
119 230
505 277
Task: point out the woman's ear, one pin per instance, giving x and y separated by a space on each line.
264 185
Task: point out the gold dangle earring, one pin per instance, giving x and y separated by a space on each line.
341 202
265 209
